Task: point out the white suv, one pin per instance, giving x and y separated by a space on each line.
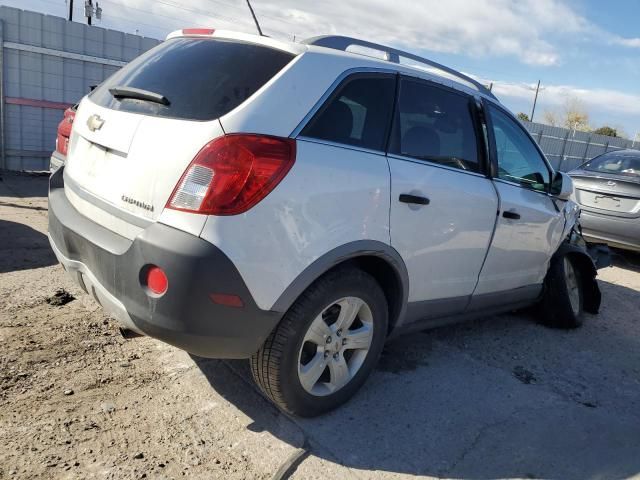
298 204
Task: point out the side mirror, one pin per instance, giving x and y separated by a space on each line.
562 186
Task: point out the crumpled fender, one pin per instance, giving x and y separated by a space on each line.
575 246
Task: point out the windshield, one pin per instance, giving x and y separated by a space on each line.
190 78
615 163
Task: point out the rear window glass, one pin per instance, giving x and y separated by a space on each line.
202 79
359 113
615 163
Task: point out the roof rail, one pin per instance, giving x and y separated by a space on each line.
338 42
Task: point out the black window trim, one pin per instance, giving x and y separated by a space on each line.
493 152
331 94
483 163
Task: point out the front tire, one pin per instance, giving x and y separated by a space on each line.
563 301
326 345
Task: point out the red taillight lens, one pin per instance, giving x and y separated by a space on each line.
233 173
157 280
198 31
62 144
64 131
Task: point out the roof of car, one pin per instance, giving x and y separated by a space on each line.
396 57
335 46
627 152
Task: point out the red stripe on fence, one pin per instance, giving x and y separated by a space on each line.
28 102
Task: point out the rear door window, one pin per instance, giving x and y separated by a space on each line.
436 125
357 114
202 79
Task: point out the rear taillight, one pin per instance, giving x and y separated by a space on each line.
233 173
64 131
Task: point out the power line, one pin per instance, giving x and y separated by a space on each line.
179 22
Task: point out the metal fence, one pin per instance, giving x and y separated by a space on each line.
566 149
46 65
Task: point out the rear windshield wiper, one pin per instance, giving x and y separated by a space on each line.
139 94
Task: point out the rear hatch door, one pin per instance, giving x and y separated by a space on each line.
128 151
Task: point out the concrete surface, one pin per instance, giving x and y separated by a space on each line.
499 398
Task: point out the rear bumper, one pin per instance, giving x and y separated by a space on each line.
615 231
56 161
108 267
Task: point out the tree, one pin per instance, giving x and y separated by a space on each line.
523 117
575 115
606 130
551 118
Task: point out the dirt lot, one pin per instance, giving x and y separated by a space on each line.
498 398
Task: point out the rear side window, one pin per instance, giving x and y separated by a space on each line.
202 79
358 114
436 125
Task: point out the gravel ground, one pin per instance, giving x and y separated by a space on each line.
499 398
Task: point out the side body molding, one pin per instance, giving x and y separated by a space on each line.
348 251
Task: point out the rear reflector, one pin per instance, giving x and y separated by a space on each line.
157 280
231 174
226 299
198 31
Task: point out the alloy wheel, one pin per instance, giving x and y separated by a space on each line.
335 346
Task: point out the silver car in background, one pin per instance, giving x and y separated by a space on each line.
608 191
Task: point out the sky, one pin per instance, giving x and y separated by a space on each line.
579 49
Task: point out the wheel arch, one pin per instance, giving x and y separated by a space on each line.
378 259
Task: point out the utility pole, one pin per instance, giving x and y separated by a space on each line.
71 10
535 99
88 11
255 19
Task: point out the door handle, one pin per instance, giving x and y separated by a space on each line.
511 215
417 199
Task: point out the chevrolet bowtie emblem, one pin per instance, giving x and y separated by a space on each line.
94 122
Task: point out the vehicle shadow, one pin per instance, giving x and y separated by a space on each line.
25 185
500 398
626 259
23 248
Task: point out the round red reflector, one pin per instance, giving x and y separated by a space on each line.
157 280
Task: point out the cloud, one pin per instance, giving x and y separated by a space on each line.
555 96
524 29
535 32
482 27
626 42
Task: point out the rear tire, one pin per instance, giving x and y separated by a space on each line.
563 302
319 356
